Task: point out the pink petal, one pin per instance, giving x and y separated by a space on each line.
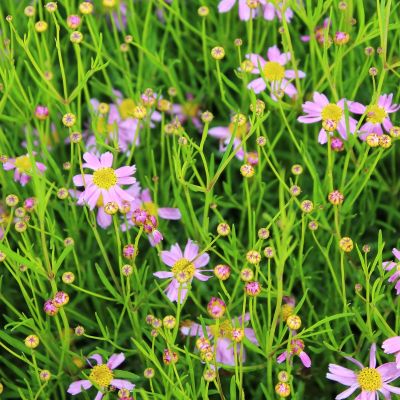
372 356
224 352
396 253
244 10
115 360
387 124
202 260
257 85
106 160
281 358
201 277
169 213
391 389
191 250
388 371
146 196
305 359
122 384
92 161
257 60
78 386
78 179
220 132
291 74
163 274
269 12
192 330
308 120
321 99
322 136
97 358
273 54
99 396
225 5
125 171
170 257
348 392
103 219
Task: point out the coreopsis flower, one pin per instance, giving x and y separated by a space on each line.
274 73
225 335
332 116
390 265
184 268
296 349
371 380
23 166
102 376
188 111
392 346
104 183
378 116
225 133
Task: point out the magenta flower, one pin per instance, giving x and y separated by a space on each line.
389 265
370 380
392 346
228 334
274 73
184 267
296 349
23 167
331 114
102 376
104 184
378 116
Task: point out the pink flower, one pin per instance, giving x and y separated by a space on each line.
332 115
184 267
102 375
378 116
244 10
274 72
389 265
188 111
227 331
104 184
271 11
370 380
392 345
296 348
23 167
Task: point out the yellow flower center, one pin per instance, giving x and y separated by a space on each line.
104 178
376 114
101 375
183 270
190 109
273 71
240 130
103 127
287 311
100 202
369 379
224 329
23 164
151 208
331 112
127 108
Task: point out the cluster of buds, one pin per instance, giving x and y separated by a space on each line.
205 348
216 307
169 357
341 38
52 306
384 141
253 288
283 388
174 127
142 218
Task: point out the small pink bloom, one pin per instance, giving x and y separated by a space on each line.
296 348
391 265
23 167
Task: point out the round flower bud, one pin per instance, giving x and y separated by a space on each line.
246 274
207 116
172 91
373 71
269 252
169 322
261 141
67 166
203 11
293 322
73 21
297 169
139 112
313 225
216 307
69 241
20 212
149 319
341 38
336 197
223 229
209 375
369 51
62 193
238 42
51 6
86 7
329 125
337 144
127 270
45 375
283 376
50 307
79 330
129 251
239 119
29 11
21 226
32 341
259 107
282 389
252 289
307 206
247 170
41 26
68 277
395 131
247 66
263 233
69 120
3 256
75 137
342 5
149 373
253 257
358 287
60 299
203 344
366 248
346 244
222 272
164 105
169 357
373 140
111 208
385 141
12 200
124 48
218 53
124 394
252 4
128 39
295 190
76 37
237 335
41 112
207 356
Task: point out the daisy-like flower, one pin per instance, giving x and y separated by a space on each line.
228 334
390 265
371 380
102 376
296 349
184 267
105 181
244 10
378 116
392 346
273 10
188 111
23 168
274 72
332 115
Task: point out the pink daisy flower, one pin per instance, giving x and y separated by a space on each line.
105 181
244 10
389 265
392 346
274 73
332 115
371 380
23 167
378 116
102 375
228 334
184 267
296 348
272 11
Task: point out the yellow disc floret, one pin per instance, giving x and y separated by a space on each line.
104 178
273 71
126 108
23 164
376 114
101 375
332 112
369 379
183 270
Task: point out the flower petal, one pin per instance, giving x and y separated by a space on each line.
78 386
115 360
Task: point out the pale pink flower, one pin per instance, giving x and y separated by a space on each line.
273 10
390 265
332 115
184 268
392 346
274 73
371 380
102 375
296 349
23 167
